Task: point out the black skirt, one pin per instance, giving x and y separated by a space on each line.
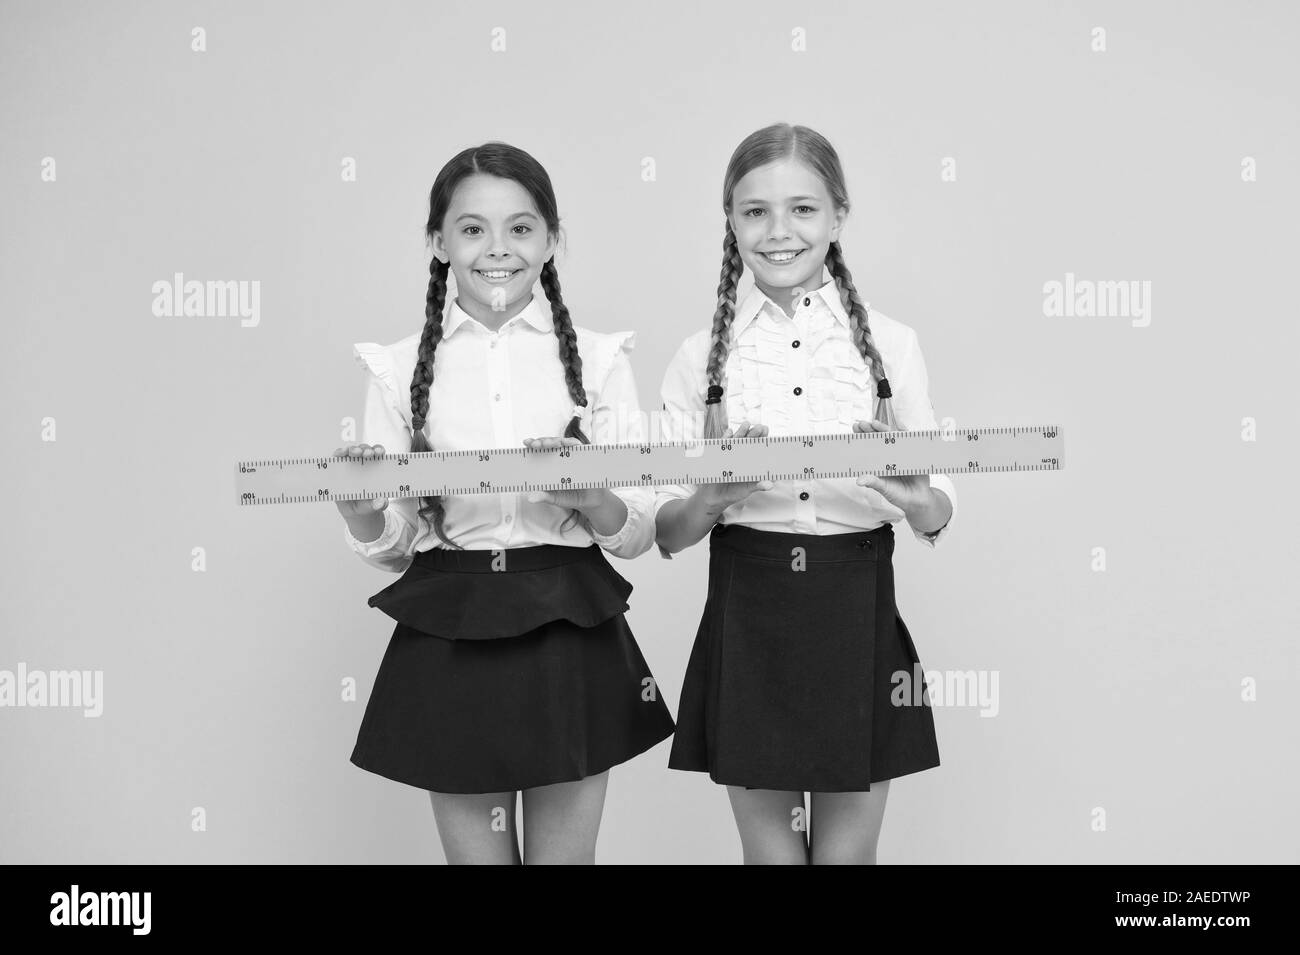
791 681
508 670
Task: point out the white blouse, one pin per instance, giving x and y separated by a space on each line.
772 357
492 390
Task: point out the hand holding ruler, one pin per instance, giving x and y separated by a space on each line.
701 461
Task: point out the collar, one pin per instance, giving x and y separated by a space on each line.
533 313
754 302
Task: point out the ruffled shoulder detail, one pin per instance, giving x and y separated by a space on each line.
392 365
402 357
374 357
598 351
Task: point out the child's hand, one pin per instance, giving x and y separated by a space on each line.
366 505
718 497
580 499
906 491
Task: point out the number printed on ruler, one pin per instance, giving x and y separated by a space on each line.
704 461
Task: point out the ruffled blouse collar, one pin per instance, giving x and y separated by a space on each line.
753 303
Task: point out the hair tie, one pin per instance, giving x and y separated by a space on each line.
882 390
715 395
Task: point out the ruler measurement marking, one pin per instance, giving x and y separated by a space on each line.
625 464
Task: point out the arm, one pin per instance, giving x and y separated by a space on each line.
686 513
622 523
681 522
384 539
932 520
679 519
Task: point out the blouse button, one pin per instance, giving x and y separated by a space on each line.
803 495
497 396
798 391
807 301
795 343
509 518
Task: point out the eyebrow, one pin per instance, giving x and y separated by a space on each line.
760 202
517 215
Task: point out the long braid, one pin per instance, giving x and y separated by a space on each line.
568 339
859 328
431 508
715 412
571 360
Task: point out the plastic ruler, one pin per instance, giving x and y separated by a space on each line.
704 461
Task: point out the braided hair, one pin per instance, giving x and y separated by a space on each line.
431 508
506 162
715 417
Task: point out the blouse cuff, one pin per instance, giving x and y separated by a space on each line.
626 541
665 495
384 542
943 483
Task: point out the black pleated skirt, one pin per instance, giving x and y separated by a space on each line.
795 678
508 670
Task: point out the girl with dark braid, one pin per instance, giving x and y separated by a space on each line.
512 668
794 681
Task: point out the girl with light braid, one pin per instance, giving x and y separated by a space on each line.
512 668
792 683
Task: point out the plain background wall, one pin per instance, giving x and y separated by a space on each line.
1119 689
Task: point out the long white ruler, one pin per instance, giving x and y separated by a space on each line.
704 461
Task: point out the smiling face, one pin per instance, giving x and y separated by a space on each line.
784 221
496 243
